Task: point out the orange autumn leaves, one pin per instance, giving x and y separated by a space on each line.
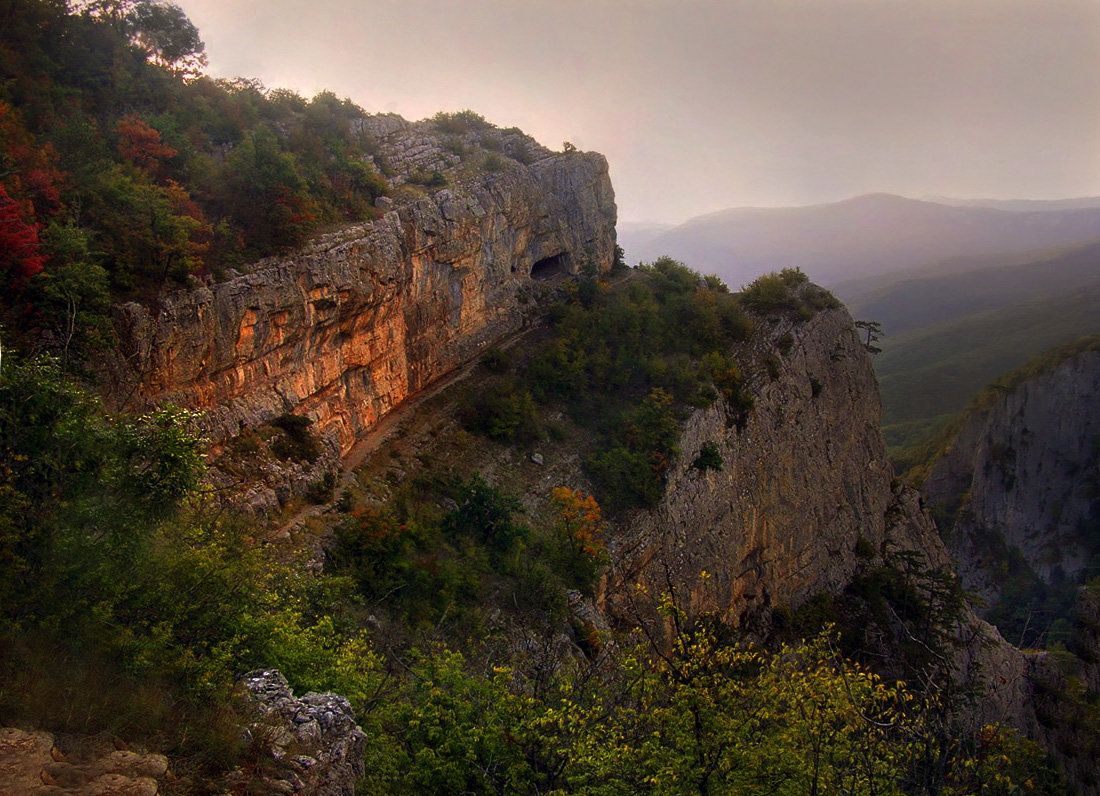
579 518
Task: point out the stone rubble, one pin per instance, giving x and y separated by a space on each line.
314 738
31 765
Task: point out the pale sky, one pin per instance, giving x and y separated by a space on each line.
701 105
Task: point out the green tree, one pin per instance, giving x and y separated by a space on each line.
72 296
486 514
873 330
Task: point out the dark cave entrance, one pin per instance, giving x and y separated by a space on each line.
551 267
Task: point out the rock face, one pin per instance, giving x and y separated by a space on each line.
348 328
802 480
314 738
31 764
1024 475
804 498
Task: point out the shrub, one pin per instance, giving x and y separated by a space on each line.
669 277
433 180
864 549
715 283
618 264
818 298
579 528
769 293
505 412
321 490
496 360
464 121
487 515
771 364
709 458
793 277
625 478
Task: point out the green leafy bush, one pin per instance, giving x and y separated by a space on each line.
505 411
769 293
486 514
787 291
709 458
496 360
432 179
464 121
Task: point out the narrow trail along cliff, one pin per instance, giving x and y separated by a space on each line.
372 440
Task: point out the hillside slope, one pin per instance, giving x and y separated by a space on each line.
948 292
929 374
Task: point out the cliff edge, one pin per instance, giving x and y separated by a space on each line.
348 328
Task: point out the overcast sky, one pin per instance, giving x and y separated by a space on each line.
701 105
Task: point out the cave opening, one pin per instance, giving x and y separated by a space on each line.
551 267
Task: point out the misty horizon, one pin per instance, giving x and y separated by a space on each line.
989 202
706 105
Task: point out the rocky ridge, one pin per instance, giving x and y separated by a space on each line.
348 328
1023 475
805 498
804 476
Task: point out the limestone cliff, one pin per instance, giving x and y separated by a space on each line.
346 329
1022 476
802 480
806 497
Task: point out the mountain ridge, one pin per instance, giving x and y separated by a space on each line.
859 237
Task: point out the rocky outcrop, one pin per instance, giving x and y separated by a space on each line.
348 328
802 480
1024 475
313 740
805 497
30 763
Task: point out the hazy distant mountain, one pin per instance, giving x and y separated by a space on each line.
955 325
860 237
1022 205
634 236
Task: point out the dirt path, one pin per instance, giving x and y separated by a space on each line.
387 426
